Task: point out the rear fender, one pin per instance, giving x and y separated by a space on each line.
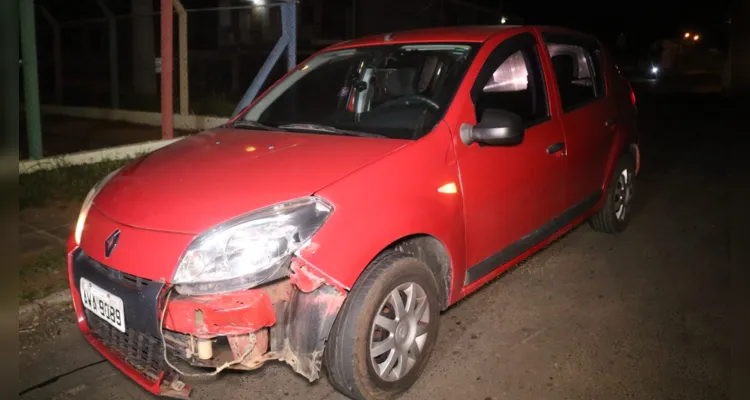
622 146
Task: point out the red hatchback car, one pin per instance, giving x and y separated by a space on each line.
331 221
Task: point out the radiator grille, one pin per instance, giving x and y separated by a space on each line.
142 351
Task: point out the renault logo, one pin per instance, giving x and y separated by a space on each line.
111 243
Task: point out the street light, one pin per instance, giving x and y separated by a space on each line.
696 38
687 35
503 20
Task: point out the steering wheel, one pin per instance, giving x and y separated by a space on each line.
409 99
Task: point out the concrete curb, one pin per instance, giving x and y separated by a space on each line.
184 122
92 156
29 310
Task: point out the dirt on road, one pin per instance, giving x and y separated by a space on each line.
643 314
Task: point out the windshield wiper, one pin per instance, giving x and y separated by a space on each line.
245 124
329 129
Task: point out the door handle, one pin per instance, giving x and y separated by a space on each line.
557 147
609 123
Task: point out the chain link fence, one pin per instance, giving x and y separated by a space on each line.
105 53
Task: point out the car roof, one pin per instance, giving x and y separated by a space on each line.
461 34
458 34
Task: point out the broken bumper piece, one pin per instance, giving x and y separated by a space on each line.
287 320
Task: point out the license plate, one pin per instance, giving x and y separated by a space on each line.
104 304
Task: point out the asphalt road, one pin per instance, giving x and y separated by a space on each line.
642 315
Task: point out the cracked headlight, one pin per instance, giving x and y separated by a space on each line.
87 202
251 249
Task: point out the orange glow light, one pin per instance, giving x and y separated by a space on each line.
449 188
249 149
696 37
687 35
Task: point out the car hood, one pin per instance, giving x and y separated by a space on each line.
206 179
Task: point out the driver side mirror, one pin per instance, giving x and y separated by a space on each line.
495 128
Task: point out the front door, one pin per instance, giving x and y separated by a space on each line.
510 192
586 114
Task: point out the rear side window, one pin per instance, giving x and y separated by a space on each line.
578 73
516 85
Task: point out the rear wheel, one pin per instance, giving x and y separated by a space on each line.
614 215
386 330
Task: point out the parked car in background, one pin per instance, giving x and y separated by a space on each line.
331 221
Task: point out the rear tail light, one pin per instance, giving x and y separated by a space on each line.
632 93
350 102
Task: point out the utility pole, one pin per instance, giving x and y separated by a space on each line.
9 75
354 18
30 83
114 71
167 70
142 47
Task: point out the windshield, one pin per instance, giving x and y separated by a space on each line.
395 91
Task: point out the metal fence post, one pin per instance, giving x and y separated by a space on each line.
30 78
57 53
182 54
265 69
167 69
287 40
289 29
114 81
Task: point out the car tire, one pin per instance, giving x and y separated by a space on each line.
614 215
355 334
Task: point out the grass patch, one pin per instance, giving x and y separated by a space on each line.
66 183
44 262
42 274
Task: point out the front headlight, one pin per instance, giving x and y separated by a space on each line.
251 249
87 202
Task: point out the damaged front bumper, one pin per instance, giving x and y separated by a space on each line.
287 320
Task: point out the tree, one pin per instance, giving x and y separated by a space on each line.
144 74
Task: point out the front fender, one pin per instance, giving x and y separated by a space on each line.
309 319
390 199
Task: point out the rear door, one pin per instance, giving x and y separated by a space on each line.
587 114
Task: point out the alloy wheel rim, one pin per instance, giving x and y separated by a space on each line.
623 194
399 331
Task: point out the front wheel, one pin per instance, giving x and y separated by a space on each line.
386 330
614 215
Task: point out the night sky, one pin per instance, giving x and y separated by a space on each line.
644 19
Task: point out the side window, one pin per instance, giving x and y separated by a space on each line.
598 71
517 85
578 73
